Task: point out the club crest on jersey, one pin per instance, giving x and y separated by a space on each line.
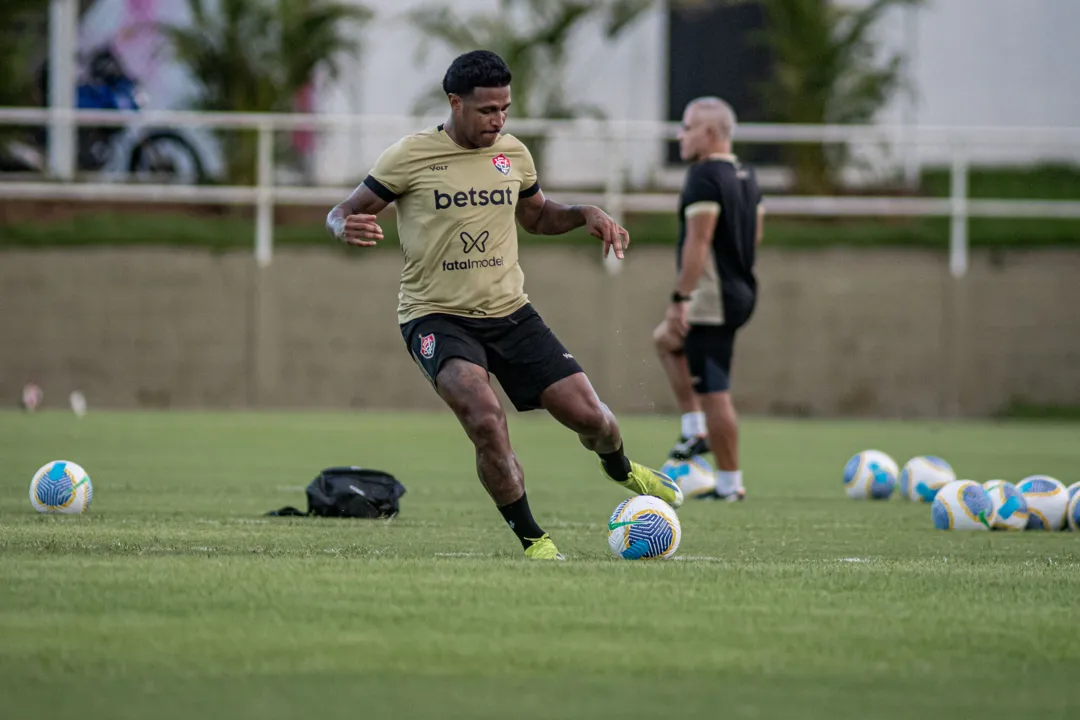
501 163
427 345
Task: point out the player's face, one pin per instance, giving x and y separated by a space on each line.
482 114
693 136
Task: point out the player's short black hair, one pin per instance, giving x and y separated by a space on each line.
478 68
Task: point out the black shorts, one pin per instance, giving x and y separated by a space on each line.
708 350
519 349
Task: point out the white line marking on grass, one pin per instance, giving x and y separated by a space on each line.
232 521
697 558
854 560
200 548
456 554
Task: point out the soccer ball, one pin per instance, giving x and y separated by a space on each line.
644 527
1047 501
61 487
1008 508
961 505
694 476
1073 513
991 484
924 475
870 474
1073 489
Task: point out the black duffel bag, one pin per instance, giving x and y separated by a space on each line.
352 492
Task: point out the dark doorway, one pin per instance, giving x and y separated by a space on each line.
713 50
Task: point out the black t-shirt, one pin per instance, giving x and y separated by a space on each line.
727 290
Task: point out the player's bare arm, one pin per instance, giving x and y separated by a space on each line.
541 216
699 232
353 221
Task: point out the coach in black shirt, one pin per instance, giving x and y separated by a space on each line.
720 226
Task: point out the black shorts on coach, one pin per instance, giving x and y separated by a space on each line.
708 350
519 349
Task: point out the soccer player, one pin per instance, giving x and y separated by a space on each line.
721 223
460 189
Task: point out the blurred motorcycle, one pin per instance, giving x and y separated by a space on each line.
136 150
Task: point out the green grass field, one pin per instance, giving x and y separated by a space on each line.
175 598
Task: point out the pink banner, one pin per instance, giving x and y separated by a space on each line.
137 41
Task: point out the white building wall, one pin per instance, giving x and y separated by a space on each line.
974 62
625 78
997 63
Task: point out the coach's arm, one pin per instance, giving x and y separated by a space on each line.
700 226
541 216
353 221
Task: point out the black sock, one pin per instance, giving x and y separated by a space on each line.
520 519
616 464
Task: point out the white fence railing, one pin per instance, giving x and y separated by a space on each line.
616 135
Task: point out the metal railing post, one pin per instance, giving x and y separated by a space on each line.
958 228
613 187
264 203
63 24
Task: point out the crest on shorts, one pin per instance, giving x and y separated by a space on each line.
501 163
427 345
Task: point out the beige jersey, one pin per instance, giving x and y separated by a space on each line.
455 215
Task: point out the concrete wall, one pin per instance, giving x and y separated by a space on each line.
843 332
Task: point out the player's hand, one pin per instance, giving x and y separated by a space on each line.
676 318
360 230
599 224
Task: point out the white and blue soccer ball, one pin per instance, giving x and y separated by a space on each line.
870 474
923 476
1008 507
1073 490
1047 500
961 505
695 476
1072 513
991 484
642 528
61 487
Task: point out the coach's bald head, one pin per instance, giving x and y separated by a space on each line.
707 126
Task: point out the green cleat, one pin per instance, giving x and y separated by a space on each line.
543 549
646 481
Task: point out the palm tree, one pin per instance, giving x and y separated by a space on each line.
825 71
257 55
532 37
21 34
22 37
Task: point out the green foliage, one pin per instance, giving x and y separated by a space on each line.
193 231
532 36
17 45
18 40
826 70
256 55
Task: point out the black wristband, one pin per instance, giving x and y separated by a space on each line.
677 297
